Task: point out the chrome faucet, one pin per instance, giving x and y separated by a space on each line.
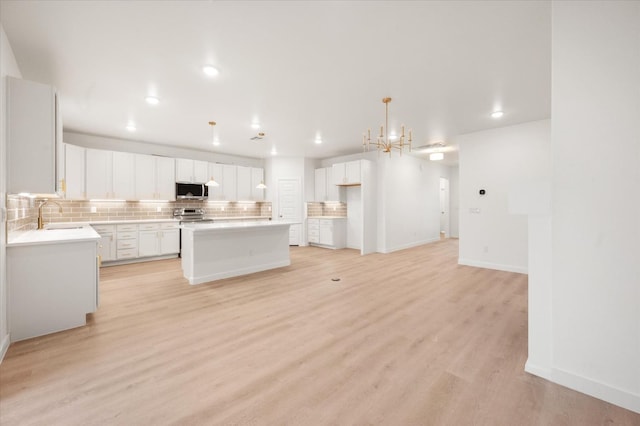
42 204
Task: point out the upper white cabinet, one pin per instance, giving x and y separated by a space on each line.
325 188
154 178
215 173
110 175
34 138
243 183
257 177
346 173
191 171
74 172
229 185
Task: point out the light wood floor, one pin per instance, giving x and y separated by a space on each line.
409 338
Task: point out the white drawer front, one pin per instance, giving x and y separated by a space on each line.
127 244
128 227
149 226
169 225
128 235
326 222
104 229
127 253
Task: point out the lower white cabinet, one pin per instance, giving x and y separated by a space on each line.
107 242
127 241
156 239
327 232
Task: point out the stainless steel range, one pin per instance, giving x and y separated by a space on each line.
190 215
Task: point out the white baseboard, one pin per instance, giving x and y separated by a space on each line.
611 394
490 265
4 346
409 245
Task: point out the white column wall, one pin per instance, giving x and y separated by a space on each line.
596 199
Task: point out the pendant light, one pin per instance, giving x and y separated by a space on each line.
212 181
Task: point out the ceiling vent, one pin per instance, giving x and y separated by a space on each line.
258 137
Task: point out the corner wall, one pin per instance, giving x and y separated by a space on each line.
499 161
596 199
8 67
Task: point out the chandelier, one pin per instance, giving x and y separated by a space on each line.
383 142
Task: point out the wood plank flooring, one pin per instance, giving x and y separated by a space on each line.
408 338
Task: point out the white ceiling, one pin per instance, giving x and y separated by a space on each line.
299 68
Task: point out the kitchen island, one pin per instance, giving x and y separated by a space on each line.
213 251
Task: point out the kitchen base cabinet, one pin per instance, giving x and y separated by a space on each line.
327 232
51 287
158 239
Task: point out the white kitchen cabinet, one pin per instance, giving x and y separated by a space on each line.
229 183
99 168
327 232
257 177
154 178
74 172
243 183
191 171
34 138
52 286
123 176
333 190
127 241
215 172
110 175
346 173
107 242
155 239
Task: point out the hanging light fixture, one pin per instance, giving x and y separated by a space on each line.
212 181
261 185
383 142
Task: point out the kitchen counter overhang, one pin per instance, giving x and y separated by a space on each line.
213 251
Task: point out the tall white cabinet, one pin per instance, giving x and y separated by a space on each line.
74 172
34 138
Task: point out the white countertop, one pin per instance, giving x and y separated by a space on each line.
212 226
52 234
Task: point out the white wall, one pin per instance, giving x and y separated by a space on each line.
409 207
8 67
596 199
454 201
497 161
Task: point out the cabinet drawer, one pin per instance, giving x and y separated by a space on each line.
149 226
326 223
104 229
127 244
169 225
127 253
312 223
313 233
127 227
314 239
127 235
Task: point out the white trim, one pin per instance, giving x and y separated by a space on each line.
537 370
5 346
490 265
616 396
409 245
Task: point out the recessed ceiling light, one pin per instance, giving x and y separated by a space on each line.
210 70
216 142
436 156
255 125
131 127
497 114
152 100
274 152
318 141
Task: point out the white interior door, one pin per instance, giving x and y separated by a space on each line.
290 207
444 206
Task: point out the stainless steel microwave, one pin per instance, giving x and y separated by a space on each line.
191 191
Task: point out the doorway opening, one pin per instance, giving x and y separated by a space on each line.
444 208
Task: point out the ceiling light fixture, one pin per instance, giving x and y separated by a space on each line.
497 114
131 127
152 100
255 125
261 185
273 151
210 70
383 142
318 140
212 181
436 156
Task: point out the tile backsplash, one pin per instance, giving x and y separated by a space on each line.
22 212
326 209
